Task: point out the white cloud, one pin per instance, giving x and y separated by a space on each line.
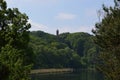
62 29
87 29
76 29
36 26
65 16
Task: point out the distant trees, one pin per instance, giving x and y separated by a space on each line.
107 37
14 38
51 53
71 50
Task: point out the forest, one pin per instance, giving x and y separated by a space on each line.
66 50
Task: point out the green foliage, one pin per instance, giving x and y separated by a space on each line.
11 61
14 38
107 37
83 45
78 41
67 50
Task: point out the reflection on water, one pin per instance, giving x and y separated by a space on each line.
82 75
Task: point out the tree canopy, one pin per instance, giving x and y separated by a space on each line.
14 38
107 37
66 50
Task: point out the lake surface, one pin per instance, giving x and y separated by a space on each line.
81 75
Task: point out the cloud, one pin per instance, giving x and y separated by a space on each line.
36 26
73 29
65 16
87 29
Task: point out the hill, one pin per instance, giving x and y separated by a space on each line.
66 50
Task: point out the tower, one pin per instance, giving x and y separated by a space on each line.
57 32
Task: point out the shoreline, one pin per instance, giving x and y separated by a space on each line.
57 70
50 71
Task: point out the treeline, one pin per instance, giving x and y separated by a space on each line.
67 50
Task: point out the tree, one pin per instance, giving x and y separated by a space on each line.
14 38
12 67
107 37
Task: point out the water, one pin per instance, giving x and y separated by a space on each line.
82 75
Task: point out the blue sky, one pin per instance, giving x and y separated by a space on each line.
65 15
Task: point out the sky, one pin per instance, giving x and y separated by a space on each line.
64 15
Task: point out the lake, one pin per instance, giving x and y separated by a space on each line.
81 75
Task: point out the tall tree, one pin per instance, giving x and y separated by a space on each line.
14 38
107 37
